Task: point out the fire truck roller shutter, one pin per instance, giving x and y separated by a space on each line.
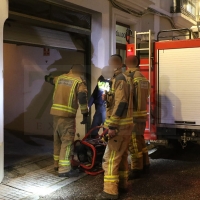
179 81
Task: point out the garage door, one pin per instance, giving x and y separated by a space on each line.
38 36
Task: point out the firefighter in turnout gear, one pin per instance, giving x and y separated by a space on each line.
120 124
138 150
70 89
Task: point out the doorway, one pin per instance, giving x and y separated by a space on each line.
30 53
28 98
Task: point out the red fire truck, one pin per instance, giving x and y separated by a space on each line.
171 65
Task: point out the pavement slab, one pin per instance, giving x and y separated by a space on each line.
32 180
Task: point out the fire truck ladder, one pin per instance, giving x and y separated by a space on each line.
147 36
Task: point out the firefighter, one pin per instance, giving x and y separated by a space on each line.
119 123
96 98
138 150
69 89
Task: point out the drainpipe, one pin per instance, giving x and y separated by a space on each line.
3 17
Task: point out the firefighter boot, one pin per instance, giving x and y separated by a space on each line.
123 190
135 174
71 173
146 169
123 186
106 196
56 165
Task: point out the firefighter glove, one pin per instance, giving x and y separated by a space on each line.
47 78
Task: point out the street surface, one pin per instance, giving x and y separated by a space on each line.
175 175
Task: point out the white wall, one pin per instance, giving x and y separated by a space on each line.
3 16
100 35
147 22
125 18
27 106
165 24
165 5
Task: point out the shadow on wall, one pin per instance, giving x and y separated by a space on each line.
34 116
169 103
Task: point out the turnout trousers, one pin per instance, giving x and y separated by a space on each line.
137 147
115 163
64 133
98 118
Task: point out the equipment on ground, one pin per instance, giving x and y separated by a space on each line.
90 152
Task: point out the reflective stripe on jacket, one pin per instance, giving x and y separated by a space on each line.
70 90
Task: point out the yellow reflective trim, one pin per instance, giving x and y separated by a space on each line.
125 121
140 79
85 106
71 78
63 108
123 174
56 157
112 181
111 178
135 147
140 113
133 156
121 119
66 110
67 153
110 162
64 162
65 77
103 86
112 90
72 93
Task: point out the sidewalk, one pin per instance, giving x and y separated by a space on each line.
32 176
32 180
29 171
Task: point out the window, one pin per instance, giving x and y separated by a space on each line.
191 8
121 39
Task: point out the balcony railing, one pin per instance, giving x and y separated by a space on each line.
180 9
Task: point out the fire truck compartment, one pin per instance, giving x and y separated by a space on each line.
179 87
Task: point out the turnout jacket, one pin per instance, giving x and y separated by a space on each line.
141 91
119 102
70 89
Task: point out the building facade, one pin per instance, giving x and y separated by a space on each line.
105 34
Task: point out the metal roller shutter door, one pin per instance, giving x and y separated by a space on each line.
37 36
